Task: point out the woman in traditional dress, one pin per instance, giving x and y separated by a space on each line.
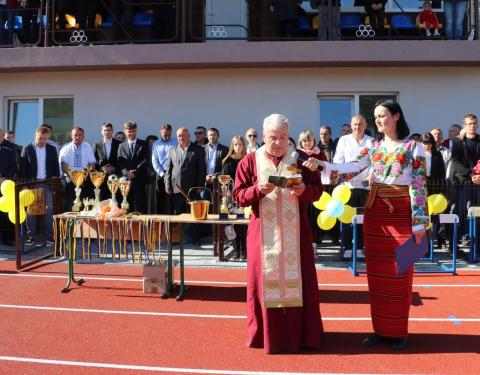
235 153
395 208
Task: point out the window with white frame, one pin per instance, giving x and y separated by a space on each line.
26 114
337 109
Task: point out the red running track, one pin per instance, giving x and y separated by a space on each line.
109 326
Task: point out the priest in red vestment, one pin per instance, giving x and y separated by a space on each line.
283 314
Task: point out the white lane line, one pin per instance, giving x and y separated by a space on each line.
207 316
158 368
122 312
200 282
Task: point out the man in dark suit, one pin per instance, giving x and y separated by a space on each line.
10 136
187 169
8 168
39 160
106 155
214 155
132 162
8 162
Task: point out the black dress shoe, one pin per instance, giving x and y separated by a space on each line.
399 344
373 340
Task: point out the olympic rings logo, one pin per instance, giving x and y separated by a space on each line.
78 36
365 31
217 32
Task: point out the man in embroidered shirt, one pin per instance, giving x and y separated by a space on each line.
282 291
347 150
160 151
76 155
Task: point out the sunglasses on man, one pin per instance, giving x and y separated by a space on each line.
251 135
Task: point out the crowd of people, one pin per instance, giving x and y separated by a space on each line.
159 168
388 173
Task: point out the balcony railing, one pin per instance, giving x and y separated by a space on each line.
59 22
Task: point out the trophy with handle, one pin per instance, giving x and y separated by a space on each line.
112 184
124 186
97 178
224 180
78 177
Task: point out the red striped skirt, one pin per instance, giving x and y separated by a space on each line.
384 230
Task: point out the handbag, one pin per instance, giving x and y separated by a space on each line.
155 270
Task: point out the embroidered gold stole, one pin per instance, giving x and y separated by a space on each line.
280 237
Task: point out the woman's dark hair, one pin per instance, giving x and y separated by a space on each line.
293 141
428 138
393 107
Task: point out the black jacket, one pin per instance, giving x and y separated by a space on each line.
136 162
189 173
100 153
220 154
8 160
29 165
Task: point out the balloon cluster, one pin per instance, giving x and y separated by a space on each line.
334 206
7 201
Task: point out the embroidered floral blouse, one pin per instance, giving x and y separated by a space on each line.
403 164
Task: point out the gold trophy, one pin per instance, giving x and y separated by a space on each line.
124 186
97 178
224 180
78 177
112 184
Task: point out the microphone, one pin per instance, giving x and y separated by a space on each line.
296 156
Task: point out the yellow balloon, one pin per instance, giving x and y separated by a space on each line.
8 188
342 193
430 206
440 203
347 215
3 204
10 204
12 216
325 221
27 197
321 204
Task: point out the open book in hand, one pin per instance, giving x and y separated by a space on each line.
409 252
285 181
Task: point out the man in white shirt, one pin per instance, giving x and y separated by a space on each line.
348 148
438 137
76 155
160 150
